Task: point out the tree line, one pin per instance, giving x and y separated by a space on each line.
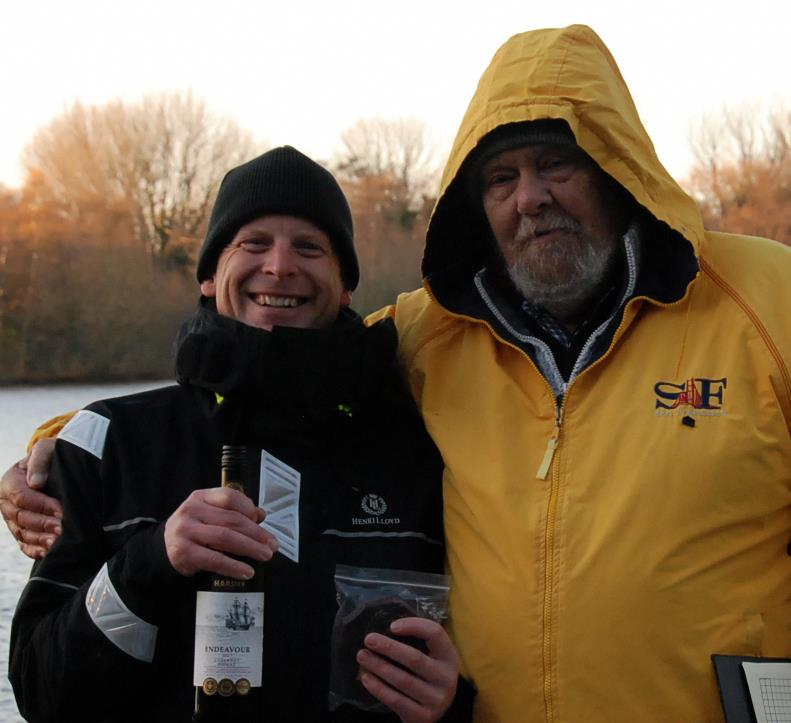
98 246
741 177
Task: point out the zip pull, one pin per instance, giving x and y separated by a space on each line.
552 445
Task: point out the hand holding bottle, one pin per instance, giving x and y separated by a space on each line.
214 526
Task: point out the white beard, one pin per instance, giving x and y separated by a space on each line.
563 276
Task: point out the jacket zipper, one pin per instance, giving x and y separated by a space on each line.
552 443
552 504
549 551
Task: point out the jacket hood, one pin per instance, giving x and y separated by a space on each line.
566 74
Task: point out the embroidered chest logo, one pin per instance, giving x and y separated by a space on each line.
375 507
695 396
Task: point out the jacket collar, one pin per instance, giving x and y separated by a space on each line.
308 372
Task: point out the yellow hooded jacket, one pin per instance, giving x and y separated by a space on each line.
602 551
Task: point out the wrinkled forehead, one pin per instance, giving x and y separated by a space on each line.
283 224
531 153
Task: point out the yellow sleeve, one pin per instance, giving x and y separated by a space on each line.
50 428
383 313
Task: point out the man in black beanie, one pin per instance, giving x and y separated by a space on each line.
275 360
283 207
282 181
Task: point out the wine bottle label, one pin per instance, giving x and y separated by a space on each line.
229 637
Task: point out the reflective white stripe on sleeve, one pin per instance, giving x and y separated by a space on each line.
127 523
120 625
87 430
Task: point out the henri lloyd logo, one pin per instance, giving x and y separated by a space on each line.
375 506
696 396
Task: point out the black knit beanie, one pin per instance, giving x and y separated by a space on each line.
282 181
510 136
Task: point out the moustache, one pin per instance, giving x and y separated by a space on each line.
529 227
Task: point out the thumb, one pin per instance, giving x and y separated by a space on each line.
39 461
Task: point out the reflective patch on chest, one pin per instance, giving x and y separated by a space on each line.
279 497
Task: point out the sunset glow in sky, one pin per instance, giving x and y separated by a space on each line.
300 72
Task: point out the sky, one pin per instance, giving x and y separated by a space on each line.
300 72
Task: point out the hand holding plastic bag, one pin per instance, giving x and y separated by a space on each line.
389 650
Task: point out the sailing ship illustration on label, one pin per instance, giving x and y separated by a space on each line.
239 616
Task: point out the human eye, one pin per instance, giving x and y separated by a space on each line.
554 162
497 177
254 245
557 166
309 248
498 182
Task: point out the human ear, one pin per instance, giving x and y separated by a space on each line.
207 288
346 297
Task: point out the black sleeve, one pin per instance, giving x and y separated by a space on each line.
460 710
60 660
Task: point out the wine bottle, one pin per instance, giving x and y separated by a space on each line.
229 625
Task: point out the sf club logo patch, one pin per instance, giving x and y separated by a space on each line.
694 396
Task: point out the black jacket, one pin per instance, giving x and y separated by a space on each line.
328 403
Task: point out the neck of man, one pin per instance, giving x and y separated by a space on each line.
571 315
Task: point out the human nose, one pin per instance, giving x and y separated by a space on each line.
279 261
532 194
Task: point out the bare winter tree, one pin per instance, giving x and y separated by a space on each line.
389 171
157 162
742 174
399 150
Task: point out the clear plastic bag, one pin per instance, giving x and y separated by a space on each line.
369 599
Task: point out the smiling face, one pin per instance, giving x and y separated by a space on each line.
278 271
555 222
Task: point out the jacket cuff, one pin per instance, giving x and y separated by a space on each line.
460 710
128 632
143 576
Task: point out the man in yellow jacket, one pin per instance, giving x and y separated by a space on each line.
609 386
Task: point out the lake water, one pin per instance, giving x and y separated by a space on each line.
22 409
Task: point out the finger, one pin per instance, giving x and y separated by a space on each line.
402 679
9 511
32 511
9 515
14 481
208 560
39 513
232 500
232 542
438 642
44 540
201 506
33 551
235 501
35 545
439 666
189 557
403 706
39 461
